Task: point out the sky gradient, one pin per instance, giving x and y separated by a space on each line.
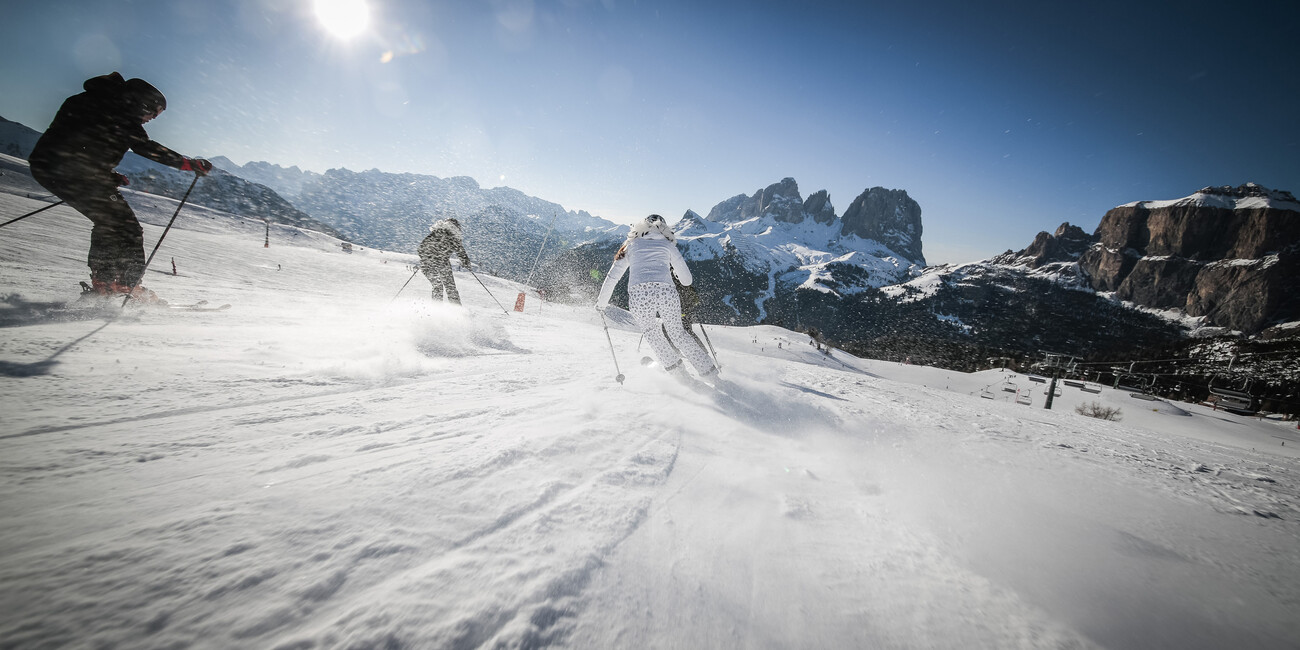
1001 119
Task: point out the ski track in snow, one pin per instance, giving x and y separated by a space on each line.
325 466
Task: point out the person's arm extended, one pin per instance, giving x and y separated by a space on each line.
611 280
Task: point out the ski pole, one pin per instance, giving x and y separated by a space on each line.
489 293
529 281
2 225
714 352
408 281
162 237
620 377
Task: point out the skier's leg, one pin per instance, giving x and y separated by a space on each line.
685 341
431 273
127 241
447 283
452 294
116 238
645 301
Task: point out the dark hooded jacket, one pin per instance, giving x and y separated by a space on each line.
94 129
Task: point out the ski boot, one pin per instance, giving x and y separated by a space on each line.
105 289
140 295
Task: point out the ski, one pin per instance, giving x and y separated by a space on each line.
89 298
201 305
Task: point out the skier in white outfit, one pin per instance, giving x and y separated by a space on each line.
651 254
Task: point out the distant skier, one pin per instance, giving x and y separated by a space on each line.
651 254
443 241
75 157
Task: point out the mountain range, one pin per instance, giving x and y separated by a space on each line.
505 229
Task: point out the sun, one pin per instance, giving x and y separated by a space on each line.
343 18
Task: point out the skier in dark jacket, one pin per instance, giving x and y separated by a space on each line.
75 157
443 241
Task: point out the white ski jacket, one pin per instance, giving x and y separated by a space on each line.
651 258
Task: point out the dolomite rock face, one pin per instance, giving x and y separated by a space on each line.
890 217
1229 254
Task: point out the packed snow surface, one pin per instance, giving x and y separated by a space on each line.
326 466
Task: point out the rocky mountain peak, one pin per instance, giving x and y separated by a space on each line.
890 217
781 200
818 206
1067 244
1248 190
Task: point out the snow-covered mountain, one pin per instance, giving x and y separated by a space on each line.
324 466
504 228
286 181
1156 275
801 244
17 139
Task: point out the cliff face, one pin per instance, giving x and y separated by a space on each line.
1229 254
890 217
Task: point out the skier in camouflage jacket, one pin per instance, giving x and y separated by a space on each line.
443 241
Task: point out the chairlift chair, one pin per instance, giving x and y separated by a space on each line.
1231 400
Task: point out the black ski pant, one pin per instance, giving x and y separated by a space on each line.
116 238
442 280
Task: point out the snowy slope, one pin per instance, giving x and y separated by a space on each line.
321 466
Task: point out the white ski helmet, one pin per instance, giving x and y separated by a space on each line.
652 223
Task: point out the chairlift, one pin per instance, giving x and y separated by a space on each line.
1135 383
986 393
1010 386
1091 388
1025 397
1231 400
1056 393
1038 380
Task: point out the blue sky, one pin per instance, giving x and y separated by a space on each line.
1000 118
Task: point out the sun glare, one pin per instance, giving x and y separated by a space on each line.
343 18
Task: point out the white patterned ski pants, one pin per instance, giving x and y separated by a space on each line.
650 299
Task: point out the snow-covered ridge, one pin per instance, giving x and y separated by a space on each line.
1250 196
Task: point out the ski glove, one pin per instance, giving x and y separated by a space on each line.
197 165
121 179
